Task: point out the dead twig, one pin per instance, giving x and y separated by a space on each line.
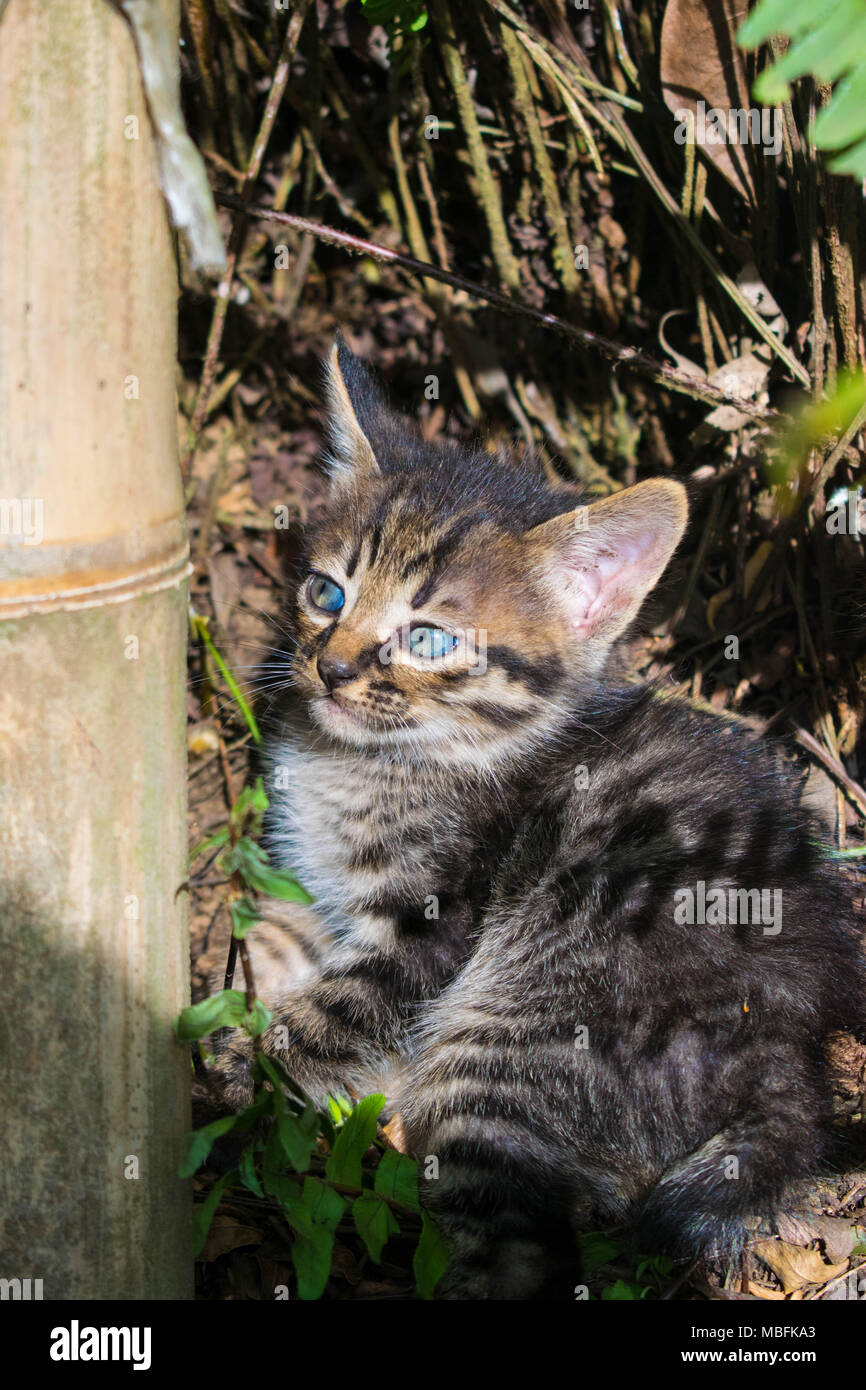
853 790
621 356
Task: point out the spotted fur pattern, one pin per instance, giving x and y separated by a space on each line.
495 856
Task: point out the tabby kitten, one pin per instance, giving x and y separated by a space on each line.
541 893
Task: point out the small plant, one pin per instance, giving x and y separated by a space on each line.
311 1164
403 22
650 1272
817 425
828 41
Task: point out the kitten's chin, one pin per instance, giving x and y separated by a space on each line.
350 726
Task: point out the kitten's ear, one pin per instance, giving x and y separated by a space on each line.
602 560
355 405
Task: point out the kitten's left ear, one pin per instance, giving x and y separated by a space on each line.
356 407
602 560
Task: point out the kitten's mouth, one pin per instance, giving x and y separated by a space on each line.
347 711
351 720
336 716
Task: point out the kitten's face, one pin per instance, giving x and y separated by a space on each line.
424 631
453 603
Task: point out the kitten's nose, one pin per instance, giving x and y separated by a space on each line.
336 670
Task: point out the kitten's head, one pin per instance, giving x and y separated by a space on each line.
456 603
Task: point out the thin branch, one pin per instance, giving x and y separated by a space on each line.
852 789
619 355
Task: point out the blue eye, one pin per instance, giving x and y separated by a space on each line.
325 594
431 642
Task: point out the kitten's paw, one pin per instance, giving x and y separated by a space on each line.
231 1073
503 1269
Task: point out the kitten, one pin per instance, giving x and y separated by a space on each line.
543 891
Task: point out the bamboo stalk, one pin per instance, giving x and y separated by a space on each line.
93 1088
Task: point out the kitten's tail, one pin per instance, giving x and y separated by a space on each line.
700 1204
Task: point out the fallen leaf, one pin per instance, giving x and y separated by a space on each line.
393 1132
795 1267
202 738
763 1291
700 61
225 1234
838 1234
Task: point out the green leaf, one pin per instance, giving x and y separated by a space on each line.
844 120
276 1071
247 1170
257 1020
275 883
374 1222
249 809
202 631
853 161
203 1214
288 1193
285 1189
245 915
297 1144
297 1136
596 1250
219 837
200 1143
828 41
432 1257
828 31
623 1291
659 1266
775 17
353 1141
251 862
397 1179
224 1010
311 1255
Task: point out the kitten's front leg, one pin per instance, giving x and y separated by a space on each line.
344 1027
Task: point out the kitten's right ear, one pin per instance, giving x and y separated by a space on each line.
355 405
603 560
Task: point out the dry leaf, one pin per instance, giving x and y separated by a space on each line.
227 1233
763 1291
700 61
795 1267
393 1132
839 1234
202 738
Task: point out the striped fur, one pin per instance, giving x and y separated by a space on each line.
495 858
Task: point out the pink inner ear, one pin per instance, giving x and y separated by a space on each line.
617 580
